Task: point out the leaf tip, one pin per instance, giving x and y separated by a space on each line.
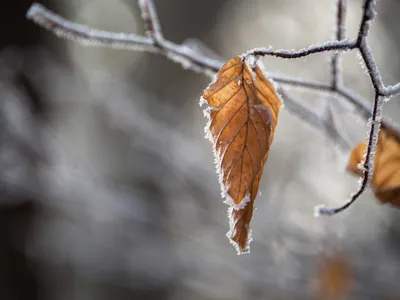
240 233
240 248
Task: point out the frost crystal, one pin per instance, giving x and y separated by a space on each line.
242 203
202 101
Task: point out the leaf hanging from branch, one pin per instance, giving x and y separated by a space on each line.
386 176
242 113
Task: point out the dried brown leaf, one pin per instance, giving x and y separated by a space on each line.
242 116
333 279
386 177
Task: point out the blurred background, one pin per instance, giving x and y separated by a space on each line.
108 188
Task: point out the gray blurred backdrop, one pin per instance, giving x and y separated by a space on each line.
108 187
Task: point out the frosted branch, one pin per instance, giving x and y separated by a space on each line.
93 37
345 45
341 11
155 42
392 90
340 34
372 68
369 13
326 125
151 22
86 35
368 165
375 121
182 54
362 106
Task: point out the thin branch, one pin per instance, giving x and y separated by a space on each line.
363 107
369 14
151 22
368 164
86 35
303 83
303 113
89 36
182 54
372 68
315 120
344 45
392 90
92 37
341 19
331 128
336 77
339 35
376 118
178 53
155 42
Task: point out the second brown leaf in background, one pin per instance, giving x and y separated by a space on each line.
333 278
386 176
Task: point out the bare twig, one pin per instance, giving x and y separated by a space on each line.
86 35
155 42
392 90
330 126
92 37
339 35
291 54
315 120
369 13
178 53
375 121
341 19
360 44
368 164
181 53
150 20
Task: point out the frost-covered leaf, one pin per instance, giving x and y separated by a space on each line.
243 111
386 177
